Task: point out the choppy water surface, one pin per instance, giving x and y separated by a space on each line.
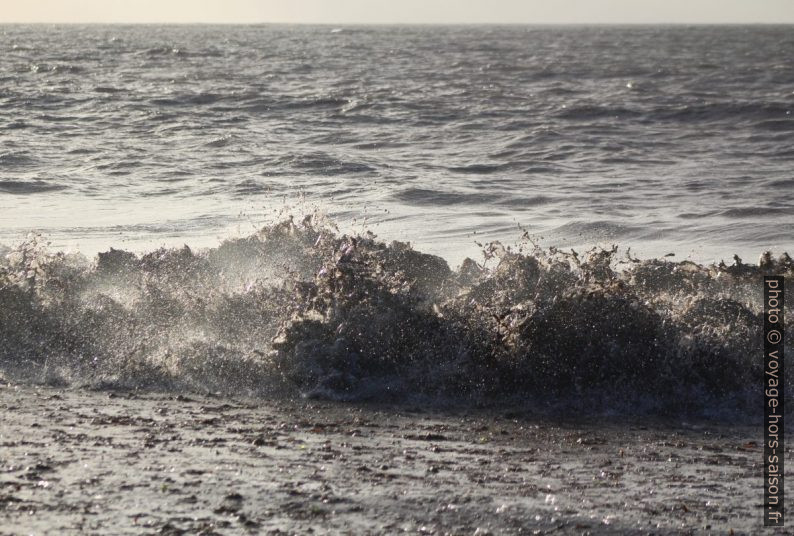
664 139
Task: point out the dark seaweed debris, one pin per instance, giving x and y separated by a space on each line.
299 307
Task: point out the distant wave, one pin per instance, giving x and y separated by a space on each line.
478 169
28 187
602 229
772 116
426 196
753 212
16 159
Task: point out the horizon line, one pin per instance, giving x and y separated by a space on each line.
337 24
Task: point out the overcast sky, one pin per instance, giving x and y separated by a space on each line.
400 11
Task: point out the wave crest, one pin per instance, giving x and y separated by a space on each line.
298 307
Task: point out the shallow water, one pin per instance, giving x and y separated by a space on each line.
665 139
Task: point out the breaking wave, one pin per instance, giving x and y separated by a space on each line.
302 308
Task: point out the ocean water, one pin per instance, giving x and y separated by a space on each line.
662 139
297 163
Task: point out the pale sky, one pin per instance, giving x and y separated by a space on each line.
399 11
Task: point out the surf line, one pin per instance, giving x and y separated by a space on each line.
774 390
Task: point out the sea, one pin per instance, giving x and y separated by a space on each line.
486 212
665 139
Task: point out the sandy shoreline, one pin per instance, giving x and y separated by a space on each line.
87 462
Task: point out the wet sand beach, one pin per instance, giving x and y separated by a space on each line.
91 462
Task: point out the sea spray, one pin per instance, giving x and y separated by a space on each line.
301 308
